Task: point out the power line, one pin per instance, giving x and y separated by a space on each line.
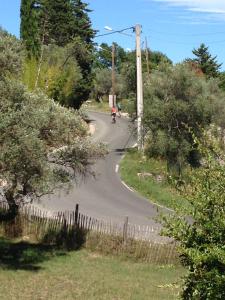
116 31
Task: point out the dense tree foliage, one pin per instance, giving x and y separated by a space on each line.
57 20
201 242
61 23
84 57
83 26
156 58
125 66
58 76
206 62
29 31
176 99
102 84
11 55
64 20
103 56
222 80
43 145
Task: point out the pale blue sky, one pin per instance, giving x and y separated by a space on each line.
173 27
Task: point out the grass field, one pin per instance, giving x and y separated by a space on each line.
157 191
31 271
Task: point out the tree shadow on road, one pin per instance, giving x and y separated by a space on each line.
120 151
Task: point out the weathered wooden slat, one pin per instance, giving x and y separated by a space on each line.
40 221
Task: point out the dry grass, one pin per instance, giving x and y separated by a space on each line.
138 251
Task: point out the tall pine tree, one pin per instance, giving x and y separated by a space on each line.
206 62
61 22
29 29
83 26
84 34
67 19
68 22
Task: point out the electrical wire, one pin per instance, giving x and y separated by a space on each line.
116 31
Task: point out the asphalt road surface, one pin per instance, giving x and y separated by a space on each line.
105 196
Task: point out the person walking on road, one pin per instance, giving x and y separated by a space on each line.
119 109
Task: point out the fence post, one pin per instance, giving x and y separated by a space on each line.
125 229
65 224
76 214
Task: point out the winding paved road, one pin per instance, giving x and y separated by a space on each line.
106 197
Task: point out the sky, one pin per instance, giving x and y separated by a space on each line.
174 27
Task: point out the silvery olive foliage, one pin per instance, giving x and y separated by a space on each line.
11 54
43 145
176 99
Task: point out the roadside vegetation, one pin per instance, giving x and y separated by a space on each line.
184 143
44 145
149 177
45 77
202 240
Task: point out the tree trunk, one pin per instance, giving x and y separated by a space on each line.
11 218
13 209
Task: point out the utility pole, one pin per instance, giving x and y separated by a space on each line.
146 54
113 74
139 87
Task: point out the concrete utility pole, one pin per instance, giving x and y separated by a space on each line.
146 54
113 74
139 87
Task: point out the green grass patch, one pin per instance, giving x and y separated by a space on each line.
45 273
149 178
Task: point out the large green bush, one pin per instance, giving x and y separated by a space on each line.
201 235
11 54
177 99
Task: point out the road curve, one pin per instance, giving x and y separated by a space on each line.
105 196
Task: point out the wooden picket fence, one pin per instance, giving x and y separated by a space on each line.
41 223
55 220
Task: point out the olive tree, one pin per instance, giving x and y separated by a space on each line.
11 54
43 145
177 99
